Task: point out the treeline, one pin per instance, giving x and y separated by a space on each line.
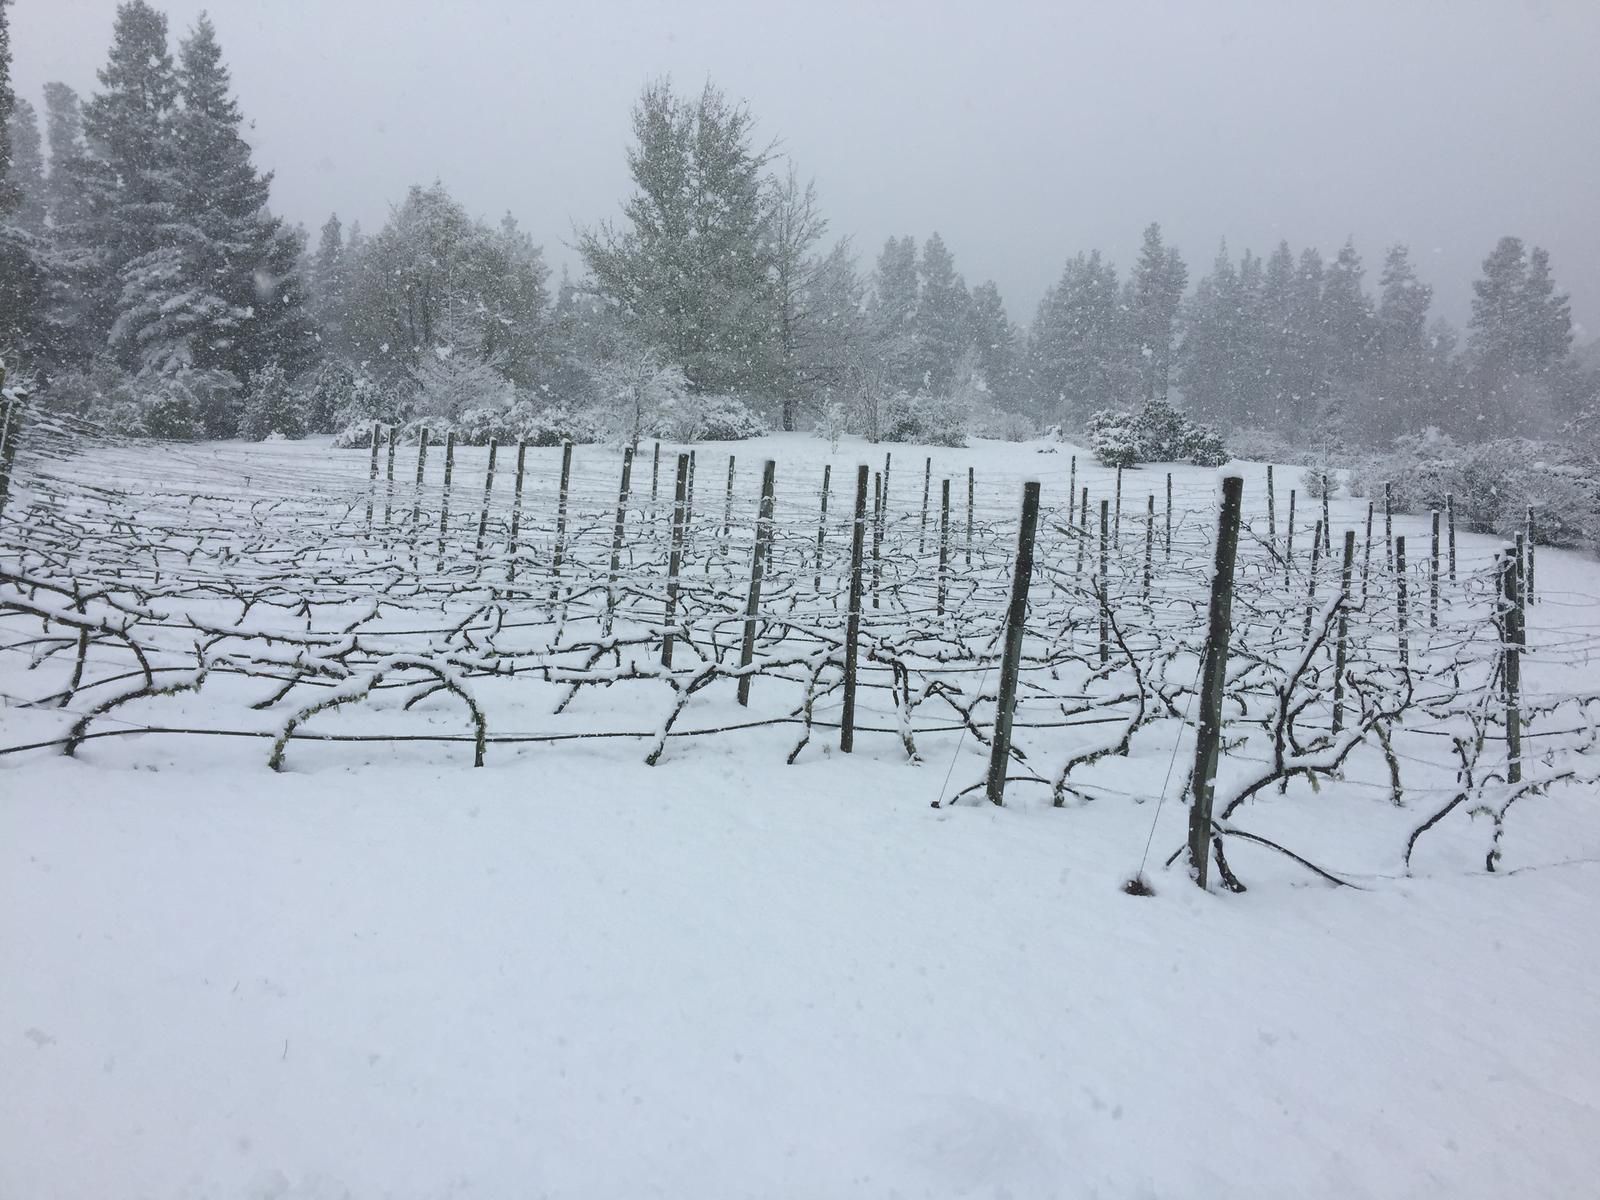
145 282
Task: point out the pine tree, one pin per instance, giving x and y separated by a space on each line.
222 289
64 136
27 170
995 343
327 286
892 313
689 268
23 274
1520 335
1159 279
1347 318
121 185
1078 360
942 325
1401 366
1273 353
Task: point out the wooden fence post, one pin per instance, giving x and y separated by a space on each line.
1104 590
516 511
852 632
1167 553
1272 511
1213 683
1388 525
444 502
1149 541
680 494
758 562
1366 556
1072 486
727 506
944 543
1400 601
822 527
1527 583
1340 647
1450 531
1083 533
877 532
1011 657
10 436
1288 542
416 502
922 530
388 493
372 473
971 488
1311 589
559 553
1512 632
488 498
617 532
1433 575
1116 521
655 472
1327 529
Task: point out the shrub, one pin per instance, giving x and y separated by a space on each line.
932 420
700 417
1156 433
271 407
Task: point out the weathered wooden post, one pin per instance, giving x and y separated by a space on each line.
1450 529
444 501
1311 589
1341 645
822 527
922 529
1167 553
1327 534
10 437
689 495
655 472
416 502
727 506
1272 511
1388 525
617 532
1011 655
971 488
1527 583
888 457
680 496
1288 542
488 499
516 512
1400 602
1072 486
372 474
877 533
852 631
758 562
1366 556
1512 632
1083 534
558 554
1433 575
1213 681
944 544
1116 526
388 492
1104 590
1149 541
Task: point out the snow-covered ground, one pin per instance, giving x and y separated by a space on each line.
383 973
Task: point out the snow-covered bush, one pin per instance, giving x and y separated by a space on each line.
323 394
1254 444
920 417
636 388
356 436
833 422
451 380
271 407
100 391
1156 433
540 426
700 417
995 423
1491 485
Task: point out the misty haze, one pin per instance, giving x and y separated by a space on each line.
703 599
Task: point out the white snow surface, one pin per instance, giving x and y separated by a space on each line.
384 974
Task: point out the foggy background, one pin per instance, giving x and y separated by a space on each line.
1021 132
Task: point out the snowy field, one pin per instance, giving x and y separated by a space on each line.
379 971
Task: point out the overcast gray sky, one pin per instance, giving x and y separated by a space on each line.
1023 132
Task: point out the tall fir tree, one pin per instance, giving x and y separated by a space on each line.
1078 358
221 289
892 312
943 318
23 274
8 103
327 287
63 125
1159 279
1519 336
794 225
1401 369
27 170
994 339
